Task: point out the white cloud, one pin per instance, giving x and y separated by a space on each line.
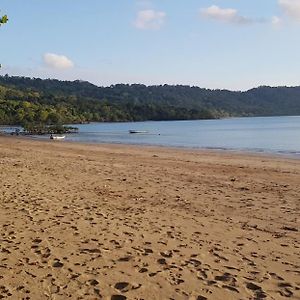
150 19
291 8
228 15
57 61
276 21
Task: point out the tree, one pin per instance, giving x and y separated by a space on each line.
3 20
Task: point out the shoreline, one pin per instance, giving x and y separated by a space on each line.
132 222
270 154
243 142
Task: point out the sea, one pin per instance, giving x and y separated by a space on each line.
277 135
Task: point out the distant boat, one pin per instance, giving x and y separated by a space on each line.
57 137
138 131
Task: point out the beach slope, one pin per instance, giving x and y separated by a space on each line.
127 222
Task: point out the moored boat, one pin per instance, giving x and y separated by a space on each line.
57 137
138 131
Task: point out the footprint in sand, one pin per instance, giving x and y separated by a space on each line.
122 286
118 297
257 290
143 270
57 264
126 286
285 289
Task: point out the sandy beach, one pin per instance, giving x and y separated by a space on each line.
127 222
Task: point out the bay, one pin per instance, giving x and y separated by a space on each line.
259 134
280 135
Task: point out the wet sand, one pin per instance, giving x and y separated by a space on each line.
128 222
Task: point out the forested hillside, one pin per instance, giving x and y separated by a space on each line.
52 101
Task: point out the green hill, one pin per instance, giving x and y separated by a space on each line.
52 101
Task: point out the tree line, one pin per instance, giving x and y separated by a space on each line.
22 104
33 100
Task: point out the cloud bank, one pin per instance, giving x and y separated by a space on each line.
150 19
57 61
291 8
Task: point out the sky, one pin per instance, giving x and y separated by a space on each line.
220 44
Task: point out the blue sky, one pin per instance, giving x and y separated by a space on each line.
232 44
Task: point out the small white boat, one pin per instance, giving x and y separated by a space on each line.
138 131
57 137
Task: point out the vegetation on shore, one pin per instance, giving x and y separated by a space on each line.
36 101
41 129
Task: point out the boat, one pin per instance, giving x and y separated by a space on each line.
57 137
138 131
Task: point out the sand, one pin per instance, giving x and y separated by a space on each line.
128 222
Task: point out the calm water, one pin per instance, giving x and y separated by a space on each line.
271 134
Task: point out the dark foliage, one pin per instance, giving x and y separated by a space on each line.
51 102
